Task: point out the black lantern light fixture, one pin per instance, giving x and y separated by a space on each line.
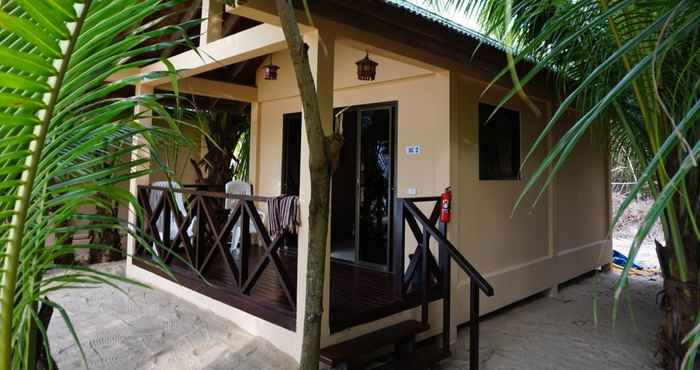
366 69
270 70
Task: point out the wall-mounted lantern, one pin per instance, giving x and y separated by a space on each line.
366 69
270 70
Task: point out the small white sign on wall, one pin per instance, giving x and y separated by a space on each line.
413 150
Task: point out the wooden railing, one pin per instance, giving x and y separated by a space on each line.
201 243
431 273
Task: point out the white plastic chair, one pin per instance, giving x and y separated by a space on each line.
236 188
239 188
153 200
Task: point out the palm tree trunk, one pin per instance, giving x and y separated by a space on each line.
681 298
44 361
681 304
106 237
321 158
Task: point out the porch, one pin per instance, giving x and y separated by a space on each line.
259 276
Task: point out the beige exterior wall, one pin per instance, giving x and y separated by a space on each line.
423 117
563 236
583 207
497 244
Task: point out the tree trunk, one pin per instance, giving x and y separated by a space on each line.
321 158
681 297
681 304
224 131
44 361
108 238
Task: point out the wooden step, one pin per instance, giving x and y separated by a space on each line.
424 358
346 354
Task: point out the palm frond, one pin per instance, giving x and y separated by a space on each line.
60 126
632 68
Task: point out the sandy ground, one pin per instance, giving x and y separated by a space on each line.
561 332
627 227
151 329
646 257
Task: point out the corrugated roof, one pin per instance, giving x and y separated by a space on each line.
434 17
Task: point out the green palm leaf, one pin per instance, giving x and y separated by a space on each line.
60 127
631 68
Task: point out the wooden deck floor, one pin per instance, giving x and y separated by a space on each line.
358 294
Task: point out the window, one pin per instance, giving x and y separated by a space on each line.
499 144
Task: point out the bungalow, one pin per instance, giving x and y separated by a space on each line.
407 89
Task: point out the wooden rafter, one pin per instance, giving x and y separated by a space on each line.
254 42
214 89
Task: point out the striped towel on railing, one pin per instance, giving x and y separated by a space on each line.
283 212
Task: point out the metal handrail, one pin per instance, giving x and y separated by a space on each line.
451 249
448 252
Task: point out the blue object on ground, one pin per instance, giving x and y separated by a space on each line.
621 260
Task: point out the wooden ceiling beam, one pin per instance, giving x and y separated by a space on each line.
251 43
264 12
214 89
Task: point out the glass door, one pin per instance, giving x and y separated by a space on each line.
291 163
363 187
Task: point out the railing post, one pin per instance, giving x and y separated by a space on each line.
473 326
196 208
399 240
143 201
167 214
445 267
425 244
245 240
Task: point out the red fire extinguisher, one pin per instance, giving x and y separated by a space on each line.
445 204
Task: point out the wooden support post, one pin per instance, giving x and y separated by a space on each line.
211 28
460 194
145 121
253 165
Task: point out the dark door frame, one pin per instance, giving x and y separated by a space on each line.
291 240
393 130
286 131
393 136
